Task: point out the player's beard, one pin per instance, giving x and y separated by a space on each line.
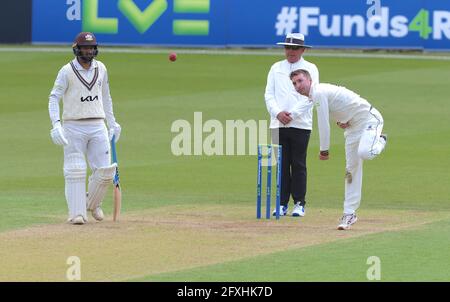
87 58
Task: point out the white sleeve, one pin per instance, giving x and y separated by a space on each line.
315 75
59 88
323 121
269 95
301 108
107 102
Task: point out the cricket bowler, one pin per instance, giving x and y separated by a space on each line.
363 125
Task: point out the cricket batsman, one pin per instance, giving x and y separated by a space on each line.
363 125
83 86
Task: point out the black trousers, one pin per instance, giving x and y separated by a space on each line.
293 170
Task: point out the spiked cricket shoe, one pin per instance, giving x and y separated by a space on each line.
78 220
346 221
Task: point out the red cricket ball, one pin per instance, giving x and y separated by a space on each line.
173 57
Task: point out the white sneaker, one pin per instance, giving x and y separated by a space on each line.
283 211
78 220
298 211
97 213
346 221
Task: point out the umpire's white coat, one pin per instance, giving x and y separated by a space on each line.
280 95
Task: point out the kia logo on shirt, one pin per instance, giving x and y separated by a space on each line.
89 99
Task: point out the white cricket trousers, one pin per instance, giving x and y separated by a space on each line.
88 140
362 142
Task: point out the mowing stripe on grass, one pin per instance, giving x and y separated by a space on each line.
173 238
264 52
407 255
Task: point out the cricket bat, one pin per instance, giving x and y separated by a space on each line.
117 194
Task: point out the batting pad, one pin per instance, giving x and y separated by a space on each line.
75 179
99 182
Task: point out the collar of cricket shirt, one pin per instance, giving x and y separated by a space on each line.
79 67
312 90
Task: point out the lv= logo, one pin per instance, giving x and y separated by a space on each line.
143 19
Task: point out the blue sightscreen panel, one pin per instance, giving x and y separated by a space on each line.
253 23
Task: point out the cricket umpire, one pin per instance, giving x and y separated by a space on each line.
291 121
83 86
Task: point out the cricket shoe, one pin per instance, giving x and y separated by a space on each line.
385 137
283 211
346 221
78 220
97 213
298 211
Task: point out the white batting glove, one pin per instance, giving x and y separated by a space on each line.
57 135
115 130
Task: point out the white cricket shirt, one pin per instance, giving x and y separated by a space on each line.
280 94
85 93
342 104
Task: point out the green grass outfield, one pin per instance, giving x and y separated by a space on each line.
405 212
